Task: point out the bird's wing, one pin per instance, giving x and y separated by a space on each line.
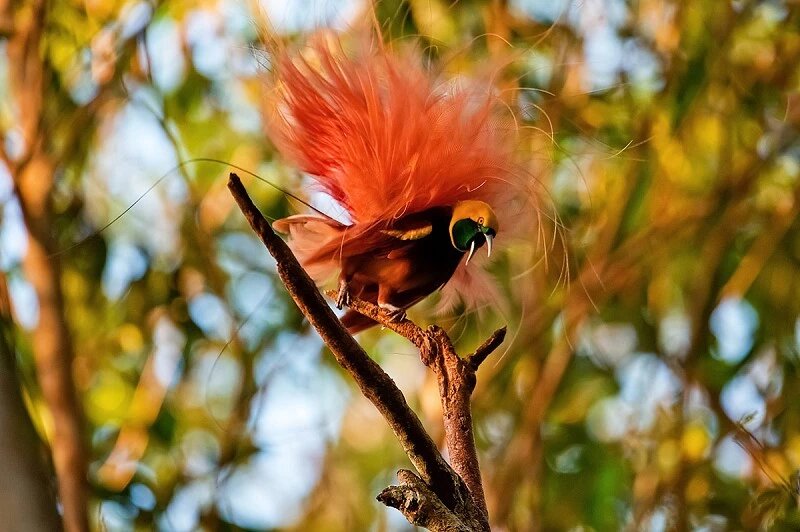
307 235
306 222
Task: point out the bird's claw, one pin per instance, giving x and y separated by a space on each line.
395 314
343 295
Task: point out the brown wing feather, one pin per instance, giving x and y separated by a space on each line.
307 235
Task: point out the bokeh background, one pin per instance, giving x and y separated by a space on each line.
650 380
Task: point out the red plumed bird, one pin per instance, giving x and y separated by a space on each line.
420 168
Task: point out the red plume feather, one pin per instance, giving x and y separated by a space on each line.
384 138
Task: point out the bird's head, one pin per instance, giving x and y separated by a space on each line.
473 224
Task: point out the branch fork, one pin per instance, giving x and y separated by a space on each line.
440 497
456 378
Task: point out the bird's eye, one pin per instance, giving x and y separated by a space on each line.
480 220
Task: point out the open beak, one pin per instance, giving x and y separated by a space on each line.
489 239
471 251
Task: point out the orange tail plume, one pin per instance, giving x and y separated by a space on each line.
383 137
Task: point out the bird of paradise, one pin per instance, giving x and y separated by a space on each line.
423 170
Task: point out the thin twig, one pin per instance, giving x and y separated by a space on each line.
486 348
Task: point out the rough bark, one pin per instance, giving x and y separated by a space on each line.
420 505
442 497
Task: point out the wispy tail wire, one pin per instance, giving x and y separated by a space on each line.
166 175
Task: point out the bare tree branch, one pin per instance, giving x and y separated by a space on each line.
456 378
376 385
420 505
464 498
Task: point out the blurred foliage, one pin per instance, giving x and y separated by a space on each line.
651 380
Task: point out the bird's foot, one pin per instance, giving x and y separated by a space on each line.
395 313
343 295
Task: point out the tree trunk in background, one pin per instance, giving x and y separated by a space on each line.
52 344
27 496
33 171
